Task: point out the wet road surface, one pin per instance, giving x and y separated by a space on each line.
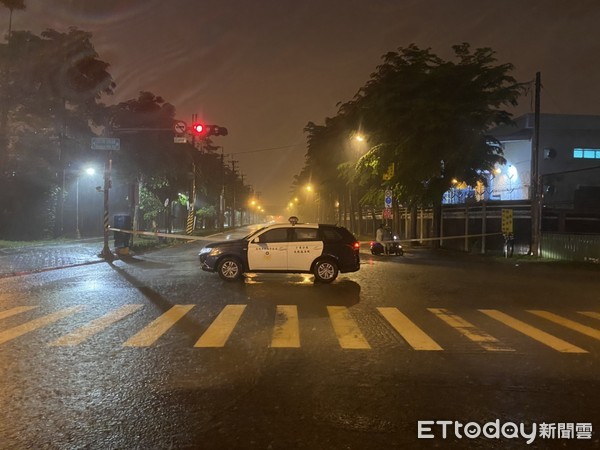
152 353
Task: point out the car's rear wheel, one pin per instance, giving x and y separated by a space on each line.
325 271
230 269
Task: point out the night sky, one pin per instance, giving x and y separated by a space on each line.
263 69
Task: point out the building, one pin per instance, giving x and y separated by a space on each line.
569 168
569 165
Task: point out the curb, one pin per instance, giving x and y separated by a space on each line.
48 269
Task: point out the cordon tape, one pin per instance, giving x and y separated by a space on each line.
212 238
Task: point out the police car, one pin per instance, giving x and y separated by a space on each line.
324 250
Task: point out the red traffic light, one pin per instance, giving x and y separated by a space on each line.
202 130
199 128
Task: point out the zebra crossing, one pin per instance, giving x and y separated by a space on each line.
343 323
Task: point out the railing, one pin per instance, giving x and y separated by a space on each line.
571 247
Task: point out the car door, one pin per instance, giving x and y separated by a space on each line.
304 248
269 250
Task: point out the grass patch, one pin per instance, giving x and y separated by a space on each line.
146 243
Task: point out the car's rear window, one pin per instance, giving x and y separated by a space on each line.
332 235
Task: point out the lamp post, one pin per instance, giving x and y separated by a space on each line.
88 171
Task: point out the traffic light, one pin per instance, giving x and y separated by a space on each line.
218 131
199 129
202 130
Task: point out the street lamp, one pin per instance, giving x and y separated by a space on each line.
88 171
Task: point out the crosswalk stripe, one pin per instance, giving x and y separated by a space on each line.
219 331
150 334
346 329
470 331
40 322
412 334
534 333
286 333
95 326
15 310
592 314
588 331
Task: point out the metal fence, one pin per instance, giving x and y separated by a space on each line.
571 247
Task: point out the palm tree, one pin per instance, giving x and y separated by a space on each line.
12 5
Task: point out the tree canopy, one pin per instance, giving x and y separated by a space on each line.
425 122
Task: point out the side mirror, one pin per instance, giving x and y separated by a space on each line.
256 240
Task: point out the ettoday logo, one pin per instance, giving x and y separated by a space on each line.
431 429
473 430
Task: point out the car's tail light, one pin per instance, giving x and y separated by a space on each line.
356 245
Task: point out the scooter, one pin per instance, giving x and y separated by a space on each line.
394 248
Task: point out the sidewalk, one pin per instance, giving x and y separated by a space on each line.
40 257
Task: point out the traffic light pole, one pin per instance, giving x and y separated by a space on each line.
106 253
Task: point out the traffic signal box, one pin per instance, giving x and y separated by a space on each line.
202 130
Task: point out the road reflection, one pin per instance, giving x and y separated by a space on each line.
293 290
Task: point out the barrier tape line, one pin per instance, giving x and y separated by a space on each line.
210 238
159 234
441 238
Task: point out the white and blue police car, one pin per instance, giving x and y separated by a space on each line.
323 250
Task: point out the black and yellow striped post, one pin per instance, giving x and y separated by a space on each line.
189 228
190 221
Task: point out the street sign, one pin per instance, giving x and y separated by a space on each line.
389 174
104 143
507 221
179 139
388 198
387 213
180 127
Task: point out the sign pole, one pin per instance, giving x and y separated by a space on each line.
106 144
106 253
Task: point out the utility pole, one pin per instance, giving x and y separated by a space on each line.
233 163
536 188
244 200
222 196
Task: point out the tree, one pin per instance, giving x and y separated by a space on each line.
4 107
431 117
54 83
148 155
12 5
428 118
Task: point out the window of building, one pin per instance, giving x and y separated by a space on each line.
586 153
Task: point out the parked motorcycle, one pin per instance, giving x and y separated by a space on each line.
394 248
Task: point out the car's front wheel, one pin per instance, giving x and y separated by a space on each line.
230 269
325 271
